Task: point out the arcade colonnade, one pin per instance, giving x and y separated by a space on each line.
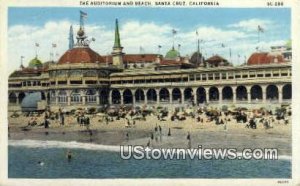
203 94
272 93
66 97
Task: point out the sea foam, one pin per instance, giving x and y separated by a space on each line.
62 144
85 146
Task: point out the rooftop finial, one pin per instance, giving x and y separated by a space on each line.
117 43
81 37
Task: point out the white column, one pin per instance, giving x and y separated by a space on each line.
69 100
182 95
170 96
110 97
280 93
17 96
133 97
122 99
280 96
98 97
145 95
207 95
220 95
234 94
264 93
195 95
249 94
157 96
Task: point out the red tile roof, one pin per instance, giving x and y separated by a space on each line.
80 55
264 58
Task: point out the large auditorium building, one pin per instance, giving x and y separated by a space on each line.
83 78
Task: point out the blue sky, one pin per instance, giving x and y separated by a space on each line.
179 17
147 28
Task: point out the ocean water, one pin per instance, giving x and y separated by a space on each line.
97 161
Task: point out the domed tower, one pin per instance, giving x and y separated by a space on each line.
197 59
172 54
35 63
117 54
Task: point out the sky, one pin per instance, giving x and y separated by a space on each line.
143 29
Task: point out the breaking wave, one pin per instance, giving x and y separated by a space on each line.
79 145
62 144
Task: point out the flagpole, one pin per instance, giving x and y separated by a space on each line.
230 54
173 39
52 53
36 49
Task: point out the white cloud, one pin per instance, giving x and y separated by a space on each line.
134 34
251 24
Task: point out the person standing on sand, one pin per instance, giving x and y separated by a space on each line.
62 118
189 140
46 122
78 120
169 133
127 136
148 144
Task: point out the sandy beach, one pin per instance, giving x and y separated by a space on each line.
207 134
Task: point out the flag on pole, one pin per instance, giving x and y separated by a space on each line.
159 46
222 45
179 45
83 14
174 31
54 45
197 32
141 49
260 29
37 44
22 57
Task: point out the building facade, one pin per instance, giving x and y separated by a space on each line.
83 78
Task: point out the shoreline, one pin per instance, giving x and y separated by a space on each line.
208 135
86 146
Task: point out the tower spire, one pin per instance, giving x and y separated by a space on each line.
117 43
71 38
117 54
22 66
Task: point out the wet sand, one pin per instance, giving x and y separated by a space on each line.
206 134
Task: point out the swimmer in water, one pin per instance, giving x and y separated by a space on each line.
41 163
69 155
